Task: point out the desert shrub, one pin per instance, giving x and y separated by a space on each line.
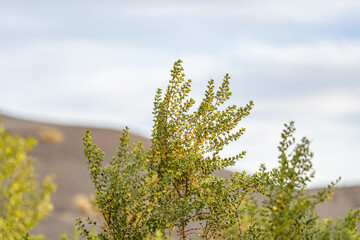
51 135
288 212
23 202
150 194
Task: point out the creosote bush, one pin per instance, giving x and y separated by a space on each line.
23 202
171 188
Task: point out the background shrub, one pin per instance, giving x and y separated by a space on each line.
51 135
23 201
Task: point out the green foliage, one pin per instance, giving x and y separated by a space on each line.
23 203
289 207
150 194
64 235
344 229
288 212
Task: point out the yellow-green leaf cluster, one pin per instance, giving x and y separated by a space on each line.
23 202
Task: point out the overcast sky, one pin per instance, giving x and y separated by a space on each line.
100 63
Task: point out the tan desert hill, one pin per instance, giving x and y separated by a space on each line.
60 151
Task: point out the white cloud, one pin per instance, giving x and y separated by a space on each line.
15 21
343 54
279 11
333 105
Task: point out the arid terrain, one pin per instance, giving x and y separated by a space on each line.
60 152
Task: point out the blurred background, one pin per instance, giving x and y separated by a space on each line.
99 63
